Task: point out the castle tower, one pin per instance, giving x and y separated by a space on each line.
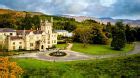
47 26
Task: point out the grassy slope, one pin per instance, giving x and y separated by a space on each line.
105 68
99 49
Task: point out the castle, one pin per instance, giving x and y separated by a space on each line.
39 39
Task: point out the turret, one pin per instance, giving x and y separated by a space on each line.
46 26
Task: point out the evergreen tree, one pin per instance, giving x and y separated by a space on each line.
138 34
108 27
129 34
118 35
108 30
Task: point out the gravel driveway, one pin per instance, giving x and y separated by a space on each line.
71 55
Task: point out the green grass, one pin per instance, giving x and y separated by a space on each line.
61 46
105 68
99 49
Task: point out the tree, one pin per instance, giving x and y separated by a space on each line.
130 36
118 36
84 35
9 69
98 37
70 26
137 33
108 27
36 22
26 22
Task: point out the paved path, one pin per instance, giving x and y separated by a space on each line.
69 46
71 55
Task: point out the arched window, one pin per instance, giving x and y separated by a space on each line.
42 47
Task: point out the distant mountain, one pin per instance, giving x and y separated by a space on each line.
126 21
80 18
105 20
77 18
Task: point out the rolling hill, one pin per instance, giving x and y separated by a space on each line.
18 13
104 20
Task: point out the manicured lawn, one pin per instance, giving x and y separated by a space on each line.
99 49
61 46
105 68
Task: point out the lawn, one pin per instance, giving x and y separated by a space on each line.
61 46
105 68
99 49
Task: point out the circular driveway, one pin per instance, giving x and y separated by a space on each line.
71 55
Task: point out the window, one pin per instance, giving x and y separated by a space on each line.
13 43
20 42
42 47
11 33
54 41
20 47
49 46
48 42
31 44
14 48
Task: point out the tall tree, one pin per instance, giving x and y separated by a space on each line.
36 21
138 33
27 22
118 36
84 35
108 27
98 37
130 36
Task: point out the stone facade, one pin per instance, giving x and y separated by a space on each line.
29 39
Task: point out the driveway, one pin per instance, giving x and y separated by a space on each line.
72 56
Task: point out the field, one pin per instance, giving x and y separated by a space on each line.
99 49
105 68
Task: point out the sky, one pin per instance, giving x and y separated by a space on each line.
126 9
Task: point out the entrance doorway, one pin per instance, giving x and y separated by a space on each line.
42 47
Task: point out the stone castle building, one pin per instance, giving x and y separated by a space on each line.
29 39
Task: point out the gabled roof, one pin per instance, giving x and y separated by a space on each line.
37 32
21 32
7 30
15 38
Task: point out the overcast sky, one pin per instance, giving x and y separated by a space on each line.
129 9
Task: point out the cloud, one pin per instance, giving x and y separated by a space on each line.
4 7
97 8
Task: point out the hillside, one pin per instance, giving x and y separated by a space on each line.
133 23
18 13
27 20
